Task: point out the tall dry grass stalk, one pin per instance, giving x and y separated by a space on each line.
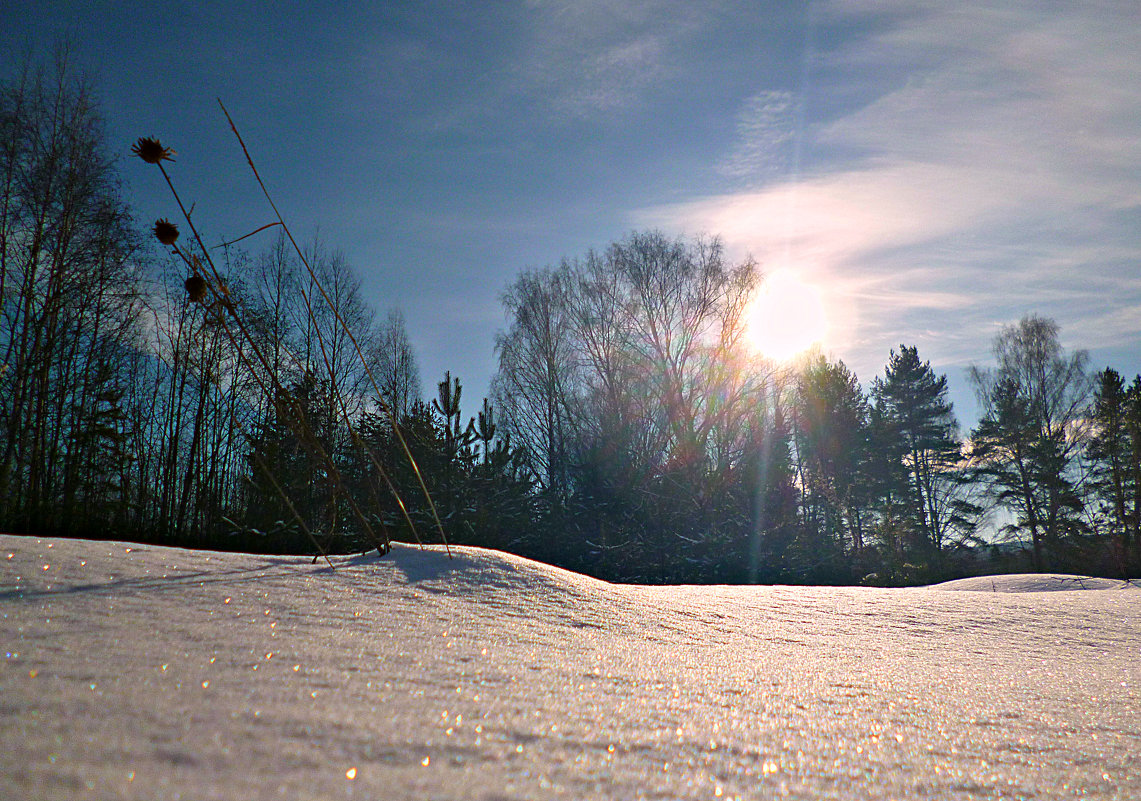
206 286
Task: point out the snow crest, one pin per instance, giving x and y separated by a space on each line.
1035 582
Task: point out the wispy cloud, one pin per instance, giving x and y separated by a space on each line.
765 131
994 169
614 77
598 56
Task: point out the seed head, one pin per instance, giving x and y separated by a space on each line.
196 287
151 150
166 232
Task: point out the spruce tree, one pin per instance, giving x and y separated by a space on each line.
831 437
775 524
917 414
1112 454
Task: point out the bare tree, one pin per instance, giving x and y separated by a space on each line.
535 385
1035 422
396 370
329 321
625 377
68 302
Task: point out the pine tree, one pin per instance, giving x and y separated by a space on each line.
918 421
831 438
503 513
289 466
774 522
1111 451
1133 426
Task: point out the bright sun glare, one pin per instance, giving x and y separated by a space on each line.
786 316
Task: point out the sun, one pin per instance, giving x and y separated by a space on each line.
785 317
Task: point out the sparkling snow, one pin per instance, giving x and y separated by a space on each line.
134 671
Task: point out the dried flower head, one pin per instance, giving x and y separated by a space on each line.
151 150
196 287
166 232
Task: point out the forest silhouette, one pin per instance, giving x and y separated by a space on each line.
631 432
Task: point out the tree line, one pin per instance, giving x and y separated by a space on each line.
631 434
666 451
128 408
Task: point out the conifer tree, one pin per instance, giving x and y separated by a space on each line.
1113 455
287 463
832 459
774 524
916 412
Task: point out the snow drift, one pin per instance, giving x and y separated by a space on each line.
145 672
1035 582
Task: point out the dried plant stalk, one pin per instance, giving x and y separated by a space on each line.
210 287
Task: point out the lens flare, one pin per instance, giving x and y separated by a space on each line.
786 317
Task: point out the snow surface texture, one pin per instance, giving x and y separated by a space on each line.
155 673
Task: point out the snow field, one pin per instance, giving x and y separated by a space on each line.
144 672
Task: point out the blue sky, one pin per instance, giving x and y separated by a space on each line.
936 169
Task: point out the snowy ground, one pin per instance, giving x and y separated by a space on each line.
143 672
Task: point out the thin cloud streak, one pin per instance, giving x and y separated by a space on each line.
765 129
588 58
